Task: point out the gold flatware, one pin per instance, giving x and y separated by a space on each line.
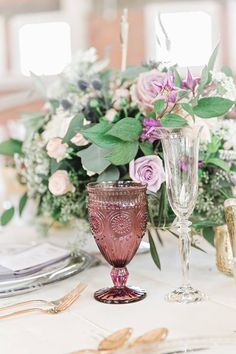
116 340
110 343
119 340
57 306
36 301
87 351
153 336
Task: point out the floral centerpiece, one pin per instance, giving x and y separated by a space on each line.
100 125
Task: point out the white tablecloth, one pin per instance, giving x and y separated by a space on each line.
87 321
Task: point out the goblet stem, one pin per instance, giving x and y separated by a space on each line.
184 248
119 276
185 293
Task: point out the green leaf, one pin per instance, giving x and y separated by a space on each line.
127 129
178 79
200 224
62 165
7 215
94 158
219 163
75 126
97 135
123 153
55 104
212 60
172 120
146 148
210 107
214 145
110 174
153 251
227 71
208 233
11 147
159 106
203 80
22 203
188 108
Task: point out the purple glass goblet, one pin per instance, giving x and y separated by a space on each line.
118 219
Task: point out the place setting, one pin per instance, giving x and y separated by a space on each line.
121 162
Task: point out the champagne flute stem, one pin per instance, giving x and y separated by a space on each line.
184 248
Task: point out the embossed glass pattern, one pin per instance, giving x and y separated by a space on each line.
180 147
118 218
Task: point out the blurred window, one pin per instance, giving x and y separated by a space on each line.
45 48
183 32
184 38
2 47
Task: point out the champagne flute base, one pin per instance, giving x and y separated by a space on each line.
185 294
120 295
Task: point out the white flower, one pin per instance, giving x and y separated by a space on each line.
227 82
59 183
79 140
110 115
58 125
56 149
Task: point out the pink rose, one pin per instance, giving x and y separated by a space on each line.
79 140
56 149
59 183
152 86
110 115
148 170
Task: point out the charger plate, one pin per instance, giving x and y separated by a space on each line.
48 275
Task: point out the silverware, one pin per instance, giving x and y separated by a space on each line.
56 306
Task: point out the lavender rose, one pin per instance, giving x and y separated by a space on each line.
152 86
148 170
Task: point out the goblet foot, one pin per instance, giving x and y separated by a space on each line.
120 295
185 294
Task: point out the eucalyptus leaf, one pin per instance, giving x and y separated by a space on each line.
22 203
227 71
209 235
219 163
203 80
123 153
212 60
172 120
204 223
62 165
127 129
178 79
7 215
112 173
75 126
94 158
153 251
11 147
209 107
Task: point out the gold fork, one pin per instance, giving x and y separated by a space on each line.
57 306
